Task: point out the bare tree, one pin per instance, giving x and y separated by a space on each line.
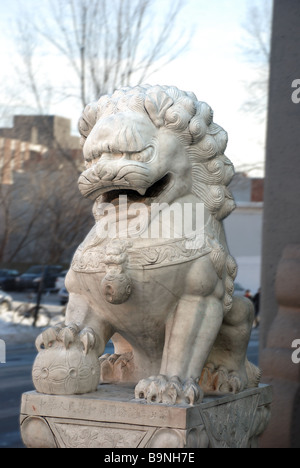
43 216
100 45
20 220
256 49
105 44
67 215
29 68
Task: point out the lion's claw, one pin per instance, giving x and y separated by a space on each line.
88 339
193 393
171 391
116 367
219 380
67 335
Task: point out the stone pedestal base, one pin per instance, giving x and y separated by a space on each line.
111 418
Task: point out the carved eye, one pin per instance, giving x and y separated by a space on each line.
112 156
143 156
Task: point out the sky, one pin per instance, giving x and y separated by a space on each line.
214 68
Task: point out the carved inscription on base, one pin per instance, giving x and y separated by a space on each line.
99 421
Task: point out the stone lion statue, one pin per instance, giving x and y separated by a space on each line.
167 300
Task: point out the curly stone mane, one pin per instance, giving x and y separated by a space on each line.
205 143
192 121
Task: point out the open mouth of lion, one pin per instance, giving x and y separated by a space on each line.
133 196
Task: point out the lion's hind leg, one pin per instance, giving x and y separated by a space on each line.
119 366
227 369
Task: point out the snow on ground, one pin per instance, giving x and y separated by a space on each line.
15 331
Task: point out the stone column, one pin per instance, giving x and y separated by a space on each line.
281 211
279 360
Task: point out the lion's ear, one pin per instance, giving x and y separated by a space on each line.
156 104
87 121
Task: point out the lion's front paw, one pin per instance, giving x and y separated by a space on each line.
161 389
220 380
67 362
116 367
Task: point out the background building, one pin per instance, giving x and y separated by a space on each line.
43 216
33 138
243 229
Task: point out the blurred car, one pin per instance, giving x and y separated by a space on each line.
8 279
239 290
6 302
33 276
60 280
63 296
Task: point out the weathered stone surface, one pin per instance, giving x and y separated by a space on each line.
154 274
112 418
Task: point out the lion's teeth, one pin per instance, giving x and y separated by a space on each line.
141 191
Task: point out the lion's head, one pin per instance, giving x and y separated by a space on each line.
155 142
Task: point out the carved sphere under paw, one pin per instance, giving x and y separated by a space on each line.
66 370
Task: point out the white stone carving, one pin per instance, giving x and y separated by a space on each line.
162 292
111 418
67 362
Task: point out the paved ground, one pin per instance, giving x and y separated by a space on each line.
15 374
15 379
